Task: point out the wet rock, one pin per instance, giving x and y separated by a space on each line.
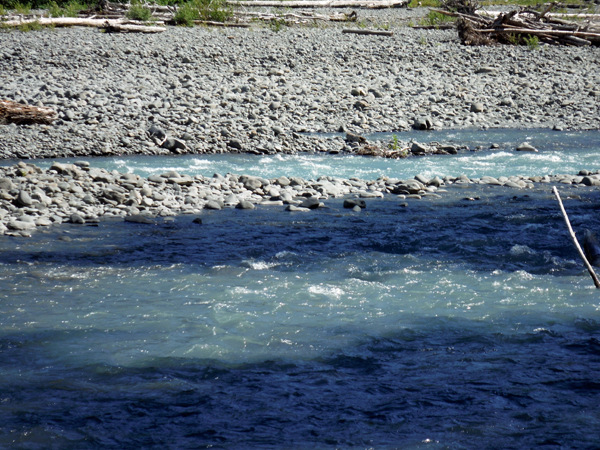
526 147
212 204
245 204
282 181
20 225
352 202
76 218
139 218
351 137
296 208
419 149
310 203
590 181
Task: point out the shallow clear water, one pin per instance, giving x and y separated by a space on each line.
559 152
449 323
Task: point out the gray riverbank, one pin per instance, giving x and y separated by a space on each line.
32 198
256 90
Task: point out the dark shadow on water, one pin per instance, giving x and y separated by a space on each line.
450 381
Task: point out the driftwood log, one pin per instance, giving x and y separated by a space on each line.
369 32
494 14
302 16
12 112
110 25
222 24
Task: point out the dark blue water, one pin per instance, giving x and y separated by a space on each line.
450 323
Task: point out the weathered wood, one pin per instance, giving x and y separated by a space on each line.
351 17
131 28
478 30
222 24
573 40
369 32
322 3
13 112
553 15
545 32
117 25
575 241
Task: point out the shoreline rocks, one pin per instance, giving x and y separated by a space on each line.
31 197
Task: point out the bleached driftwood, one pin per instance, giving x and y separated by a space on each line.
322 3
575 241
13 112
222 24
115 25
549 32
304 15
369 32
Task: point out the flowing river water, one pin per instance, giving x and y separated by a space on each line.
450 323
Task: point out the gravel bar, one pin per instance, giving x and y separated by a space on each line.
215 90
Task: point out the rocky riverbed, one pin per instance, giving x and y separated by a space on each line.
33 198
255 90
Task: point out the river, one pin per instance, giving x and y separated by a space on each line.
461 322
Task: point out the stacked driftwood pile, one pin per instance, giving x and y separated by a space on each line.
525 26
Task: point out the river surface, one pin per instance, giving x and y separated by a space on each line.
461 322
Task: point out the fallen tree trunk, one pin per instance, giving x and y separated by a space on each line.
115 25
13 112
222 24
542 32
322 3
369 32
132 28
343 17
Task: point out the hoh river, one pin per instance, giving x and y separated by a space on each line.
159 291
464 320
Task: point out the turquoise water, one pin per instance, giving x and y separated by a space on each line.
559 153
445 324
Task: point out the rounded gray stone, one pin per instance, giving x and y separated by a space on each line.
245 204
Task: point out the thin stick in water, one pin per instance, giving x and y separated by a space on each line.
574 238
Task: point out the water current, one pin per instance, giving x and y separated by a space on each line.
451 323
